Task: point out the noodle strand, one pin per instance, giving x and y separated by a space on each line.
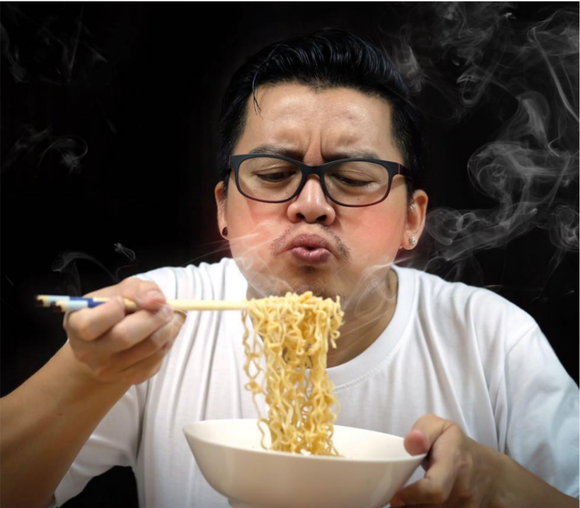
296 331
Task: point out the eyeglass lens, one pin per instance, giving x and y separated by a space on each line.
351 183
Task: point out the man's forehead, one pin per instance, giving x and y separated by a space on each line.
294 100
294 141
290 118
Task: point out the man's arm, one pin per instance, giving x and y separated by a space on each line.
462 472
46 421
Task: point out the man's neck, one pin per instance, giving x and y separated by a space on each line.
362 328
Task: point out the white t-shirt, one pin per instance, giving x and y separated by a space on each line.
462 353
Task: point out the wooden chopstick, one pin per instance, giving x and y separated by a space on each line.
63 303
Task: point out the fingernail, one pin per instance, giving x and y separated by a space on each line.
154 294
166 312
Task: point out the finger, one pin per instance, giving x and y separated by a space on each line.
144 293
430 427
416 442
107 365
399 504
417 505
435 488
161 338
89 324
441 475
135 328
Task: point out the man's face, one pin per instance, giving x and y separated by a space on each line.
360 244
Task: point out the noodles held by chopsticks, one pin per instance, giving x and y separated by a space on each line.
296 331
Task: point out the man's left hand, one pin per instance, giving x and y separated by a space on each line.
460 472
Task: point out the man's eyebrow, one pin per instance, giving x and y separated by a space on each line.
277 150
354 154
295 154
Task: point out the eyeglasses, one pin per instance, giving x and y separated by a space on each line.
348 182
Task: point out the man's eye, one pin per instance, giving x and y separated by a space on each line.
352 182
275 177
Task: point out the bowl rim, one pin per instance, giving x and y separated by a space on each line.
297 456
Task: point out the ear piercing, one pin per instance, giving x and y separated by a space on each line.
412 241
225 232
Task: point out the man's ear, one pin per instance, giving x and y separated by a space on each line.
220 200
416 215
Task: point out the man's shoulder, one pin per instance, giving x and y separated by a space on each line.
224 265
187 281
463 303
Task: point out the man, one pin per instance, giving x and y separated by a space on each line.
321 189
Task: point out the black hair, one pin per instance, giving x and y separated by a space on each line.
328 58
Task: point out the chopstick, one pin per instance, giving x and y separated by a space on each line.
63 303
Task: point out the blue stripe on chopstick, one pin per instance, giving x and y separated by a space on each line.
75 302
93 303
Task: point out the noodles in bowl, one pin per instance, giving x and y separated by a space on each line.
370 470
303 460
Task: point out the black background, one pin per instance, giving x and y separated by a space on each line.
137 87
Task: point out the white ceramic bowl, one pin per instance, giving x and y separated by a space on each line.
372 468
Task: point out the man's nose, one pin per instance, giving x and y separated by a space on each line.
312 205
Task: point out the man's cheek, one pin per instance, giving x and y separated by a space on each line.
253 244
249 252
375 240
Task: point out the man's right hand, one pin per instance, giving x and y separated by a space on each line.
114 346
109 350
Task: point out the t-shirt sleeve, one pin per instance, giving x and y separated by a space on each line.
165 278
538 403
113 443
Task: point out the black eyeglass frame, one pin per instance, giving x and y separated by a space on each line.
392 168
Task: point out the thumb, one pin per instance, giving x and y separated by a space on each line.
147 295
416 442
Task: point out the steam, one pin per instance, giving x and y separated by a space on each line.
71 150
58 50
54 51
127 253
469 55
12 56
68 150
256 253
256 267
66 264
530 169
